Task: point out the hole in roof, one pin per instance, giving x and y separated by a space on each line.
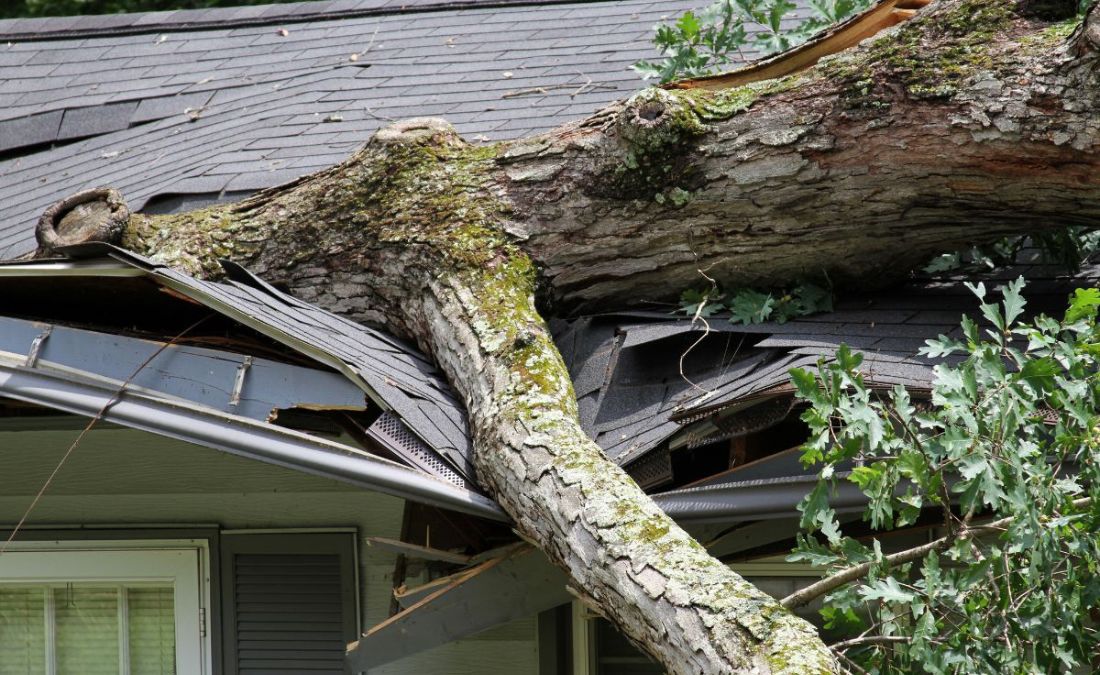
175 202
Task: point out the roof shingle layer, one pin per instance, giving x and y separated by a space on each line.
209 101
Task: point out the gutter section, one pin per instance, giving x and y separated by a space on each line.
241 437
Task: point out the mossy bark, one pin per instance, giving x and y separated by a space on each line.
856 170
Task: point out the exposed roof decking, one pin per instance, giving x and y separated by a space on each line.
393 374
632 402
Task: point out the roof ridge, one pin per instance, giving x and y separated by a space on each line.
67 27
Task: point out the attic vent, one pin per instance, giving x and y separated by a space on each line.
389 430
653 469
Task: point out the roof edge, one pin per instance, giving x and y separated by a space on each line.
171 21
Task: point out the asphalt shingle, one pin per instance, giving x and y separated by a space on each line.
447 62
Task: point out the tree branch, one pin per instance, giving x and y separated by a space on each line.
868 640
831 583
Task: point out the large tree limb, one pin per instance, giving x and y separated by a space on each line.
966 123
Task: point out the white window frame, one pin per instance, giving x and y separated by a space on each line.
185 564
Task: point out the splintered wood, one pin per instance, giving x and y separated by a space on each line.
842 36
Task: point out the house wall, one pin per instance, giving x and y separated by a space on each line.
120 477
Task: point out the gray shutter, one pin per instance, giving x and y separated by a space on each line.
289 603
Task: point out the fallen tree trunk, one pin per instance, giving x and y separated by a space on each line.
970 122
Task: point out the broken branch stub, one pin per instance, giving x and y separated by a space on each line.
99 214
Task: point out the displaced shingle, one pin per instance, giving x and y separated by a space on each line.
167 106
96 120
27 131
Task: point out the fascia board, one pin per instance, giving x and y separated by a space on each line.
240 436
75 268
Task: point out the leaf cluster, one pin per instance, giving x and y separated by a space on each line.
1068 248
1009 435
735 31
751 306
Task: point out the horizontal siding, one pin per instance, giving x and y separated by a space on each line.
174 482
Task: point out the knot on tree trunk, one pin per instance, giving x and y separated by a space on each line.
419 131
656 118
99 214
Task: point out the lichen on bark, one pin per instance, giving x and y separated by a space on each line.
463 248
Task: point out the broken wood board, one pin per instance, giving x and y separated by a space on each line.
517 584
417 551
846 34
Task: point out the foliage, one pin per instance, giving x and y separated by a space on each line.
751 306
1011 434
1068 248
18 8
719 35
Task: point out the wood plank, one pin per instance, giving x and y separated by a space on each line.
517 584
417 551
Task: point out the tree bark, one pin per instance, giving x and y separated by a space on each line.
970 122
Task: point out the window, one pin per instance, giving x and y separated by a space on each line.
101 612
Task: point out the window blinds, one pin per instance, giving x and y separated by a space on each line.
87 629
22 631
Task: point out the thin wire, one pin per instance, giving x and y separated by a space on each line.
91 423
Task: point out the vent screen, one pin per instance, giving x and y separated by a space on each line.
653 469
391 432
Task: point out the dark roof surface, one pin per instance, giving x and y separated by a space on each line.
635 392
645 381
422 415
394 371
179 108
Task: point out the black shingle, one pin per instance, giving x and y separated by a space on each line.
159 107
95 120
252 71
27 131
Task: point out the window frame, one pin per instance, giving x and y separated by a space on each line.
113 562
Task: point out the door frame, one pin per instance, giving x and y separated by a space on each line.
186 563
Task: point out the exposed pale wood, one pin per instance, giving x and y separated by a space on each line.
418 552
407 597
519 583
846 34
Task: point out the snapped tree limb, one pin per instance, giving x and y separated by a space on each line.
967 123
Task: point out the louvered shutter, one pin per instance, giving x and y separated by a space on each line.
290 603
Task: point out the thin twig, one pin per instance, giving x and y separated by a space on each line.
868 640
377 116
88 427
587 86
698 316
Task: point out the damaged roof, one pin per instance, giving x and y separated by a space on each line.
422 416
648 383
181 108
652 387
634 398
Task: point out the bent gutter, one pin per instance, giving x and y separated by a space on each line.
747 500
240 436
